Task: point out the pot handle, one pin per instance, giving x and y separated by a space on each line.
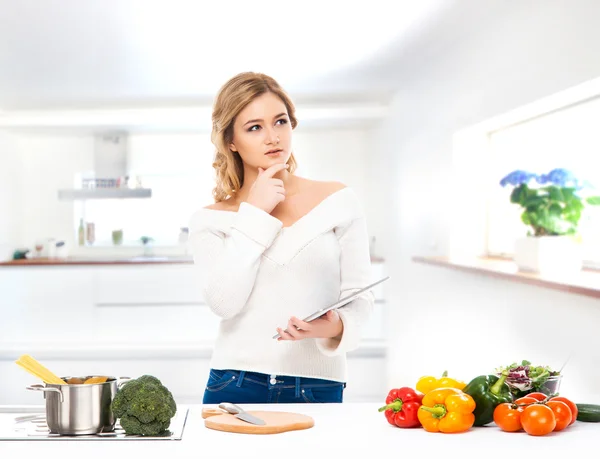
123 380
39 387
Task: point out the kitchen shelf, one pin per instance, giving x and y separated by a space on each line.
585 282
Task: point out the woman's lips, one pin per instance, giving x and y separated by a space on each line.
273 152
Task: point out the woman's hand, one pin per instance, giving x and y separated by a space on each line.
328 326
266 192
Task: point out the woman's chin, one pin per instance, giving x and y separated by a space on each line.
277 158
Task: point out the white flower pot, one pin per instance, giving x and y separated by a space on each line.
548 254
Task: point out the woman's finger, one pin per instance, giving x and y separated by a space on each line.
305 326
293 330
283 335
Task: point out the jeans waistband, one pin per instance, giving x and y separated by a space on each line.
282 381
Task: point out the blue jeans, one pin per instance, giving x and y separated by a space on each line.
247 387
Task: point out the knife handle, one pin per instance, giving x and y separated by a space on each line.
230 408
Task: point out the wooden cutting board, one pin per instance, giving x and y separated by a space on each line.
275 421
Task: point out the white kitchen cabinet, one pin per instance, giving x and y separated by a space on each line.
45 304
130 320
160 285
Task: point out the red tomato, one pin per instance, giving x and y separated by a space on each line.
562 413
538 396
525 401
538 420
507 417
570 404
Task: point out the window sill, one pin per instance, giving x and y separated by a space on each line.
586 282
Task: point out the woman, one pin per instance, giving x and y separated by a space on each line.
273 248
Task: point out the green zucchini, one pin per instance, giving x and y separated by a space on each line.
588 412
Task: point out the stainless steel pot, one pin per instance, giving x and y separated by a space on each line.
80 409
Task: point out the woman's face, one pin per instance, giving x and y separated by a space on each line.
262 132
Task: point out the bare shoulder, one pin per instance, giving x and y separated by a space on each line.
227 205
324 189
332 187
215 206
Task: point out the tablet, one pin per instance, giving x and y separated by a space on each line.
338 304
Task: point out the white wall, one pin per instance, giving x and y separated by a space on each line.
334 155
465 323
50 162
10 199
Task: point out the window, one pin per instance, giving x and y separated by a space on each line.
568 138
177 167
161 217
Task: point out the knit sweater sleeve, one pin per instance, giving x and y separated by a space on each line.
355 271
227 259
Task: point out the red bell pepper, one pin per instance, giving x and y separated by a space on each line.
402 407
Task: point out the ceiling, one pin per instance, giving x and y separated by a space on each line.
111 53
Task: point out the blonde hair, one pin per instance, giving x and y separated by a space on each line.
232 98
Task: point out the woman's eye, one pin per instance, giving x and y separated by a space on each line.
256 127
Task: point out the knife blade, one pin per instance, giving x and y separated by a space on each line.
241 414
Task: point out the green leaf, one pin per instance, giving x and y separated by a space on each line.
572 214
593 200
555 193
552 223
533 202
573 218
555 209
568 193
538 221
575 204
515 195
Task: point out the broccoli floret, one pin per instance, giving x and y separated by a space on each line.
144 406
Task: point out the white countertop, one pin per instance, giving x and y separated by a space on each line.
340 430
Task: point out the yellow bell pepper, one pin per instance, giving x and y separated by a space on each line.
447 410
427 383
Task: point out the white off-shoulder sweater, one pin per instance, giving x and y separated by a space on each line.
255 275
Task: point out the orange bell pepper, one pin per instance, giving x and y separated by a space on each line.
447 410
427 383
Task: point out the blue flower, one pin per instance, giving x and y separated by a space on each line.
516 178
560 177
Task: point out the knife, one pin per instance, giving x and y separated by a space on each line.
241 414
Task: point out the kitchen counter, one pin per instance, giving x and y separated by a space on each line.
132 261
340 430
73 261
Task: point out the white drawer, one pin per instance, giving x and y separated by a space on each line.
159 285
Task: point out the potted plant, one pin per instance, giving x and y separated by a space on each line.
552 205
146 240
117 237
